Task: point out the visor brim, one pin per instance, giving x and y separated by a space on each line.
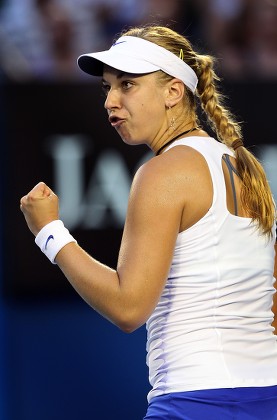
93 63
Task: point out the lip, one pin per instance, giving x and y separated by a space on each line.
115 121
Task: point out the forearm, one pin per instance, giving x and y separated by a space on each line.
99 286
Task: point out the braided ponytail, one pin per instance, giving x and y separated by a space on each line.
256 196
220 119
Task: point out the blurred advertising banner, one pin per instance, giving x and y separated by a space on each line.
60 134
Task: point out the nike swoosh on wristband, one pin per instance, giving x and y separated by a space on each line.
48 239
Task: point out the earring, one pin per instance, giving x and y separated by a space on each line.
172 123
172 119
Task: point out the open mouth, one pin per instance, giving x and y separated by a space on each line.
115 121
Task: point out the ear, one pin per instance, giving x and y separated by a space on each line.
174 92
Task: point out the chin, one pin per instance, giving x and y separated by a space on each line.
131 141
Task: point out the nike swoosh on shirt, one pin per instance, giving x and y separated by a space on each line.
116 43
48 239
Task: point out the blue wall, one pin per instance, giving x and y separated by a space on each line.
66 362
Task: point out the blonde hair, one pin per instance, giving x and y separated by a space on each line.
256 196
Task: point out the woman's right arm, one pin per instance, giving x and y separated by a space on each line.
128 295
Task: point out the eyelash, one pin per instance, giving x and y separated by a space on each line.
105 89
126 85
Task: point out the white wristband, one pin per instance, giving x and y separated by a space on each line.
52 238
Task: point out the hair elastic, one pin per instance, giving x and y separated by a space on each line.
237 143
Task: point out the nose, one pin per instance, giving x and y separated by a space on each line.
112 100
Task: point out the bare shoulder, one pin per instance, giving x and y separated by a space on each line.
180 164
179 179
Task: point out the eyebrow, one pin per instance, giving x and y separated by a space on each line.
119 76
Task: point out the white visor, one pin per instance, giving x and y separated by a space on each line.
137 56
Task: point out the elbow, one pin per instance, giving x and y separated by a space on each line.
129 323
128 327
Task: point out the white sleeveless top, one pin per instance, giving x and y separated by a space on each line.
212 326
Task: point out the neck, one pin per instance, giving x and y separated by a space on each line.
175 138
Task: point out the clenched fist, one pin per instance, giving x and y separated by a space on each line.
40 207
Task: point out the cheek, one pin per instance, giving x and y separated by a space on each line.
149 120
152 107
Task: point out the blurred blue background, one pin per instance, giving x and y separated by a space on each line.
58 358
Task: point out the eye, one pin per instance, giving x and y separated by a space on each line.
105 88
126 84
